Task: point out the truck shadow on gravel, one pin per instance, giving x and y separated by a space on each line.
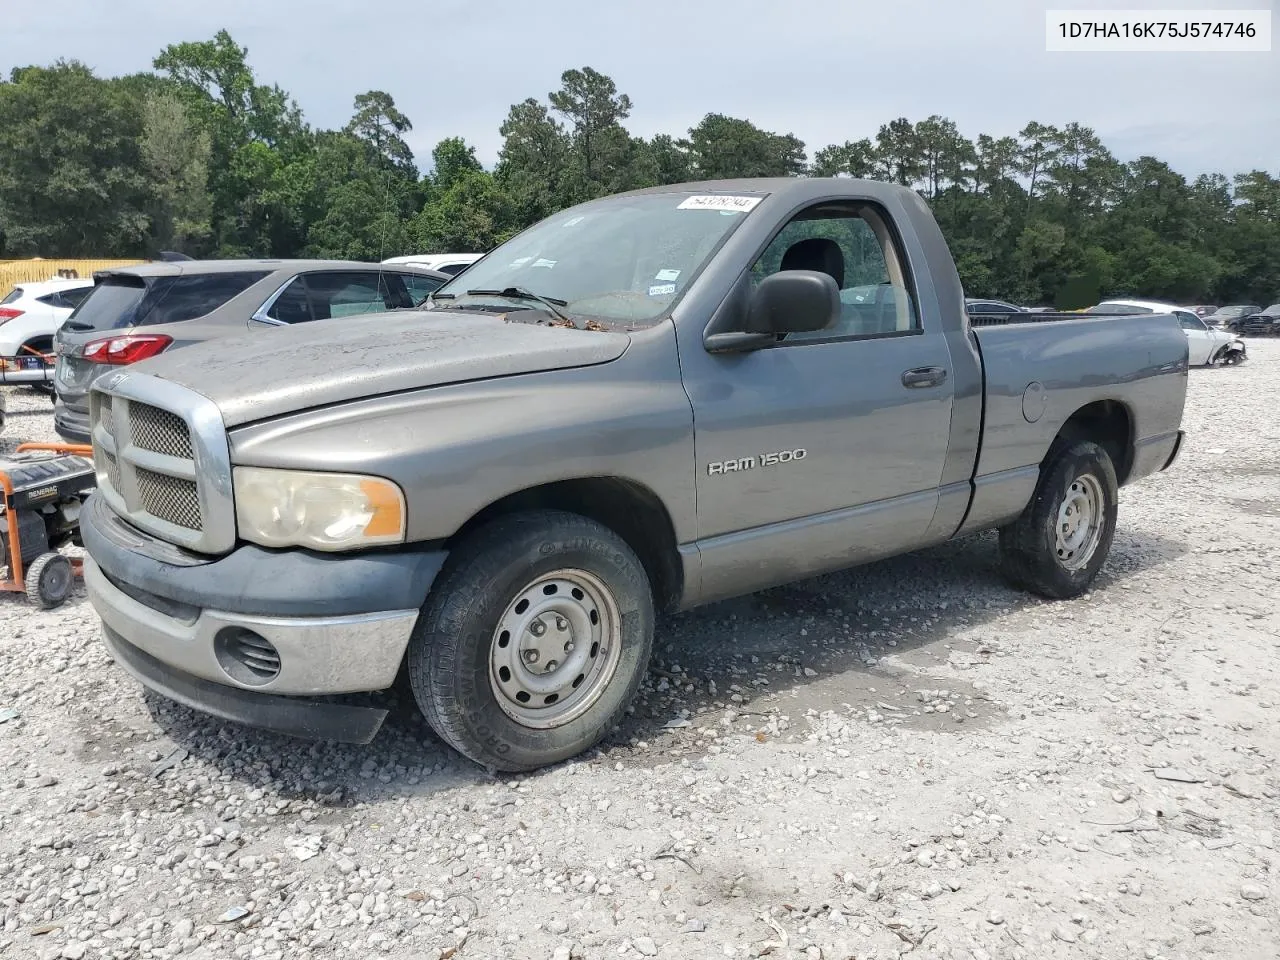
865 645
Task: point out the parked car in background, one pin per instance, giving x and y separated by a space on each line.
975 306
1203 311
1264 323
1229 317
138 312
1205 345
30 313
450 263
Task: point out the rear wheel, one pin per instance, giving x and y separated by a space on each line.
533 641
1062 539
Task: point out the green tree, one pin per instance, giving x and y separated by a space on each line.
452 159
944 154
899 151
669 160
256 131
854 158
175 158
1037 152
1082 172
532 161
379 123
71 172
720 147
600 148
996 161
471 216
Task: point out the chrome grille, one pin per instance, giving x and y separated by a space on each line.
108 465
172 499
104 413
162 460
159 431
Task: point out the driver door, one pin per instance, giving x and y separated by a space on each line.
827 448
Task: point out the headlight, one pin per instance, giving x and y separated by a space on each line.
322 511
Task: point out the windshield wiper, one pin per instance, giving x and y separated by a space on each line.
521 293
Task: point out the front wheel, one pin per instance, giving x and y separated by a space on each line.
1061 540
533 641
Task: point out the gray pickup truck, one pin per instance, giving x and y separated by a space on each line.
647 402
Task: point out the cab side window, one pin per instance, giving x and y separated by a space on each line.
853 245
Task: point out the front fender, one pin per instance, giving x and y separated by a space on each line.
456 449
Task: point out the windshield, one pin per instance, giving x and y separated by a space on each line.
1230 311
620 260
1273 310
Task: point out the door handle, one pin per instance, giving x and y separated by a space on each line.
924 377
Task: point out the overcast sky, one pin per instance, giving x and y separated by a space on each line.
825 70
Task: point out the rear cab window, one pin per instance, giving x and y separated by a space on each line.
125 300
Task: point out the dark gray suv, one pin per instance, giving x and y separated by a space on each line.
137 312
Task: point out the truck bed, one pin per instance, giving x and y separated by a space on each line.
1033 385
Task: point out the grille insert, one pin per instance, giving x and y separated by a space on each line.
172 499
159 431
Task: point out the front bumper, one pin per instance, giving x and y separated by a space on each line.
317 655
293 716
337 624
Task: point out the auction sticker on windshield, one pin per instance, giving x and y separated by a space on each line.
713 202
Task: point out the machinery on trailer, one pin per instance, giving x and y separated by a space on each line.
42 487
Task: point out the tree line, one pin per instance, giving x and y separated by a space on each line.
198 156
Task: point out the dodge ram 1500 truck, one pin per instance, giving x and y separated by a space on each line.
647 402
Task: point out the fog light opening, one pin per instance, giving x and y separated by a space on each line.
246 657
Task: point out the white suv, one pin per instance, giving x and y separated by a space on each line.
31 313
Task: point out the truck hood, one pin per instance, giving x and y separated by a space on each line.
283 370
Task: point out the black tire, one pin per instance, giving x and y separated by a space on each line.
49 580
1031 555
454 648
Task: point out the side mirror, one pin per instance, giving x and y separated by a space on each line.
790 301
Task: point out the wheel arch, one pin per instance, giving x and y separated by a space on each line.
628 508
1109 424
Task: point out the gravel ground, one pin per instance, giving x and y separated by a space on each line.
907 758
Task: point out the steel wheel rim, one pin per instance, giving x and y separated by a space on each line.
555 649
1081 516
